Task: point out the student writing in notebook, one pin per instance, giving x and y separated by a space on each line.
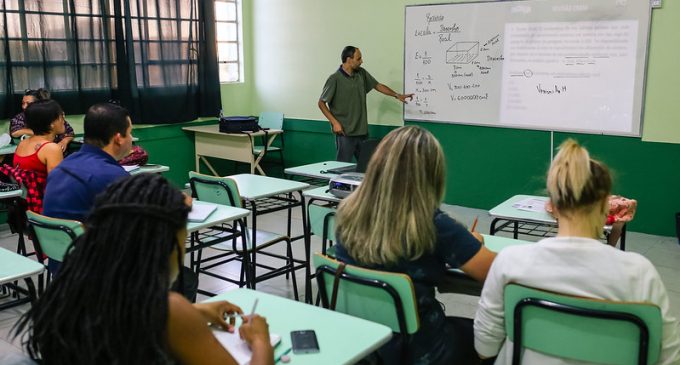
111 303
393 222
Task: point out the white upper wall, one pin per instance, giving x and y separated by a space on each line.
297 45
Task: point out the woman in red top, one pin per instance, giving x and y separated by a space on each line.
39 153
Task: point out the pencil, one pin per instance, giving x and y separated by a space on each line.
474 224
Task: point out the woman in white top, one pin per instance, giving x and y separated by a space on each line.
573 263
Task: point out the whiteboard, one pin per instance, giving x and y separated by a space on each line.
562 65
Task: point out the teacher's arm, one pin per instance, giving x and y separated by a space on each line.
335 123
389 92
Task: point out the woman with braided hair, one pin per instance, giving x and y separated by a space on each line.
111 303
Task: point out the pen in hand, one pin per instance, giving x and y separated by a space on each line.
474 224
235 315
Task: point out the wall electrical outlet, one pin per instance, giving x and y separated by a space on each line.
655 3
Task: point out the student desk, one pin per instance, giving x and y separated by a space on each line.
540 224
81 139
13 195
210 142
457 282
15 267
313 196
8 150
317 172
222 214
263 195
343 339
150 169
321 194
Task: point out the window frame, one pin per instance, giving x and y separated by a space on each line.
238 22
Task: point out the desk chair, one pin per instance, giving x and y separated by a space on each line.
583 329
52 237
270 120
377 296
322 223
223 190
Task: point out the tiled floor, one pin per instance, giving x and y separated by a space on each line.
664 252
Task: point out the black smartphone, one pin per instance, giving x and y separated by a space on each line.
304 342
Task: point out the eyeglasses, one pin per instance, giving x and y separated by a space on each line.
29 91
113 101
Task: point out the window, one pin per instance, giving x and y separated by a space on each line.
229 40
57 44
144 53
165 42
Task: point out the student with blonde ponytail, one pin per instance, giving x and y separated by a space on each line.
574 263
393 222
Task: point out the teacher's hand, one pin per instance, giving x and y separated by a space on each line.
337 128
403 97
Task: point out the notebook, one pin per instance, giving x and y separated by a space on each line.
130 168
238 348
200 211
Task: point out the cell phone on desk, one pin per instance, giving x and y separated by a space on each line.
304 342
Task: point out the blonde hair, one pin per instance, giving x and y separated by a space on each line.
390 216
578 184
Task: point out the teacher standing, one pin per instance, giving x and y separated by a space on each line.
343 102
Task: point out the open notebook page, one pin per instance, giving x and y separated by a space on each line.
238 348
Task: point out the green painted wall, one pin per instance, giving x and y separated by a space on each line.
662 109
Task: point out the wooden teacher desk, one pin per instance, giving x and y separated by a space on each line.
210 142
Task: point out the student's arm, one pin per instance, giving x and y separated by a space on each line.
51 155
335 124
20 132
653 290
478 266
389 92
63 144
489 325
17 126
461 249
191 341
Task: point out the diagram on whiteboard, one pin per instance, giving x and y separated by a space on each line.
452 65
573 65
462 52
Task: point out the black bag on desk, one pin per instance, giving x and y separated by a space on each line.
238 124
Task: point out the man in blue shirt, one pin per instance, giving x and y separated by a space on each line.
73 185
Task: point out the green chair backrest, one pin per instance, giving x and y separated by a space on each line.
272 120
372 303
213 189
54 235
322 219
584 329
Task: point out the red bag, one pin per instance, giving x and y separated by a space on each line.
137 156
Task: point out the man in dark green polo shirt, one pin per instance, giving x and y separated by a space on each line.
343 102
